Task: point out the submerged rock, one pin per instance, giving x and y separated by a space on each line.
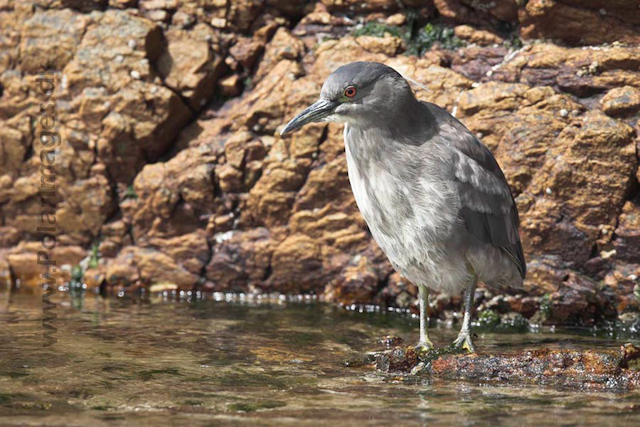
591 370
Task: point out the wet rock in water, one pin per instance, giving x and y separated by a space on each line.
585 370
399 359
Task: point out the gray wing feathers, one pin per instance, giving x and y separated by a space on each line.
491 215
488 208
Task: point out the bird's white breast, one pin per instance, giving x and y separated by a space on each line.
415 243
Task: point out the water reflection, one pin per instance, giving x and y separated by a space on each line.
270 362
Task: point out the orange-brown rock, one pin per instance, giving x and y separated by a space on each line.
172 167
25 270
580 72
477 12
51 37
241 261
479 37
150 265
603 370
576 23
173 198
583 183
621 101
627 232
583 370
189 65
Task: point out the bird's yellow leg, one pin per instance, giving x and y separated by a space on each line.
464 337
425 343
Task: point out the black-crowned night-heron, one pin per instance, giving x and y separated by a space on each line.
432 194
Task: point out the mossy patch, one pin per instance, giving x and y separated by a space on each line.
417 38
130 193
490 321
430 35
379 29
546 307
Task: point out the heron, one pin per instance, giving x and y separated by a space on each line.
432 195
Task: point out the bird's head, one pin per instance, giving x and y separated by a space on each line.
358 93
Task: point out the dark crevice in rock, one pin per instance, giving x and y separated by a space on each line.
268 272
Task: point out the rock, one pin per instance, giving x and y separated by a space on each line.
282 46
23 263
171 198
576 184
163 287
399 292
15 145
580 72
622 281
123 4
479 37
85 207
150 265
476 62
5 271
247 50
357 284
241 261
115 235
357 6
621 101
191 251
401 359
81 5
130 135
9 236
520 139
573 23
593 370
578 301
627 233
51 37
397 19
189 65
473 12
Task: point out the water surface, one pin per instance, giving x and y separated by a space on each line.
204 363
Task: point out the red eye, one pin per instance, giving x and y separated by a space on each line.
350 92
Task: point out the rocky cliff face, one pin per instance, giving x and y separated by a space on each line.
170 169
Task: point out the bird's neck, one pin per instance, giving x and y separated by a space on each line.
407 123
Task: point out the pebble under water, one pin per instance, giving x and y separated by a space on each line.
151 361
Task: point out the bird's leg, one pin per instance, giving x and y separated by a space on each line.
425 343
464 337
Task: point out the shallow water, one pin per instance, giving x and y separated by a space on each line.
204 363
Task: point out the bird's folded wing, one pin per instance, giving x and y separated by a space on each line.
487 205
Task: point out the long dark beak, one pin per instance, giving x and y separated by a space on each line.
314 113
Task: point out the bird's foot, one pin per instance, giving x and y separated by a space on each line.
464 342
424 346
